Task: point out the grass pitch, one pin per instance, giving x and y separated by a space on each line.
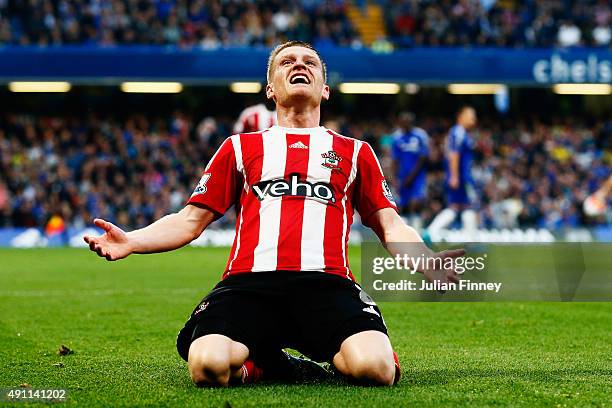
121 320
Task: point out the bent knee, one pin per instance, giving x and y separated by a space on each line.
375 369
209 370
208 365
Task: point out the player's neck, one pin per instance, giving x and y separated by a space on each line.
290 117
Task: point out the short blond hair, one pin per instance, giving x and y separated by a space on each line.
293 43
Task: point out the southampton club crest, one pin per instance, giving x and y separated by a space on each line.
331 160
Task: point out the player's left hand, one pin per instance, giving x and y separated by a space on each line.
444 275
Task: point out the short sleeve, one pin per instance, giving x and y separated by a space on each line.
372 193
217 188
455 138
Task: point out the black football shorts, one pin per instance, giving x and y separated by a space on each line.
311 312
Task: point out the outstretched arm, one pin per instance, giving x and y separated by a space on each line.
399 239
375 204
170 232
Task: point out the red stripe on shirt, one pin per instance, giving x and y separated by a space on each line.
252 158
238 233
256 122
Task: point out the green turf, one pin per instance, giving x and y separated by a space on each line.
121 320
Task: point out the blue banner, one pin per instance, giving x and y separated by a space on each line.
111 65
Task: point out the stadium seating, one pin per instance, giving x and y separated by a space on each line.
325 23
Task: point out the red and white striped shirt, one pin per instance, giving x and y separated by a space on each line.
295 192
254 119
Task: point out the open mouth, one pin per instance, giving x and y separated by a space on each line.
299 79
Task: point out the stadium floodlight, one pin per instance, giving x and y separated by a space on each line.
151 87
474 89
39 86
582 89
411 89
369 88
245 87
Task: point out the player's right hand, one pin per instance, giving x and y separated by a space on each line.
454 182
114 244
444 275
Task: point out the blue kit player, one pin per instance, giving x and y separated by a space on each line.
410 150
458 165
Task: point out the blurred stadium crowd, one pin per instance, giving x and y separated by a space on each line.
133 171
210 24
529 23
